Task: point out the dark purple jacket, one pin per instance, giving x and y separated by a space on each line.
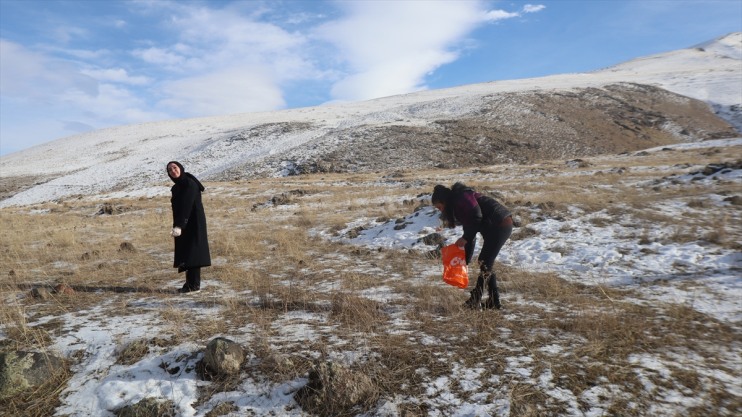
475 212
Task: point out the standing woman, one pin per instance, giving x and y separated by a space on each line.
477 214
189 226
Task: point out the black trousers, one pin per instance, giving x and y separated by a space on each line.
494 239
193 278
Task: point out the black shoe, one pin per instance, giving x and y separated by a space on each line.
492 304
493 301
187 290
475 300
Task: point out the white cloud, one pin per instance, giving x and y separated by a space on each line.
235 90
44 97
495 15
416 38
159 56
118 75
67 33
225 61
34 76
376 82
533 8
80 54
221 38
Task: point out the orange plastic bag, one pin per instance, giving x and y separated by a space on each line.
454 266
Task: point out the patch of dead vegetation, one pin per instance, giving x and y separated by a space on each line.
273 262
520 128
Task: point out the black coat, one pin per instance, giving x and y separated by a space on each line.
477 214
474 211
192 246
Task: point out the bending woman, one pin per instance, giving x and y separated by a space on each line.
189 226
477 214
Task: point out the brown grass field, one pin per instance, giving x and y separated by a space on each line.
270 261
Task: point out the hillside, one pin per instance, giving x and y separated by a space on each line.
621 289
623 108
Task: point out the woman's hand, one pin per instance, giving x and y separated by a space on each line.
461 242
176 232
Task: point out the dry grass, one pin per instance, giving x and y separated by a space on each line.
269 262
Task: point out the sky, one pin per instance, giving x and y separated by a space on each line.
68 67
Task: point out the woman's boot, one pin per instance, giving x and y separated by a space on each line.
494 300
193 280
475 299
475 296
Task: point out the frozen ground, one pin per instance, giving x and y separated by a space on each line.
702 276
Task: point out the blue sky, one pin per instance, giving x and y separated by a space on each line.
67 67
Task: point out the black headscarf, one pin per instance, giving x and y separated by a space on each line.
183 175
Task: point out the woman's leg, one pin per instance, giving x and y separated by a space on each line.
494 240
475 295
193 279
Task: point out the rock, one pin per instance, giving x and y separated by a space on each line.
41 293
547 205
20 370
355 232
63 289
223 357
110 209
287 197
734 200
432 239
712 169
107 208
333 389
126 247
577 163
88 255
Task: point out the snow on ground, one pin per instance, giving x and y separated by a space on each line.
602 252
598 256
704 277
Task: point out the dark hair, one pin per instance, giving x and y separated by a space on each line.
441 194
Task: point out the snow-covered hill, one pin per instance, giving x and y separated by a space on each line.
130 159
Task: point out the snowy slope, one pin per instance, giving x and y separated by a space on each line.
711 71
131 158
